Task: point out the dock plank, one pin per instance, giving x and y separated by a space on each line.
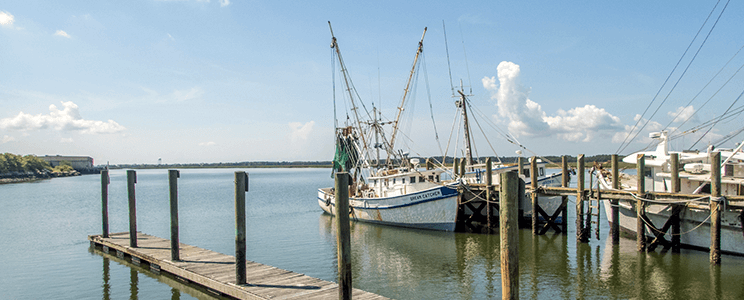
216 271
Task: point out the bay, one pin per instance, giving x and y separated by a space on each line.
45 253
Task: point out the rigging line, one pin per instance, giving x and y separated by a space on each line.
467 68
431 107
484 136
333 78
702 89
719 119
666 80
449 68
705 124
683 72
728 137
712 96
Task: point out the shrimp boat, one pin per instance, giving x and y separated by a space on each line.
695 179
399 190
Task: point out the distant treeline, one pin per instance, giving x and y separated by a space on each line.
29 164
327 164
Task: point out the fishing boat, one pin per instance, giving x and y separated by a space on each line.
694 178
398 191
401 190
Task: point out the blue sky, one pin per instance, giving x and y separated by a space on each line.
223 81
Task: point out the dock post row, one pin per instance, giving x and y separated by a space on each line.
139 255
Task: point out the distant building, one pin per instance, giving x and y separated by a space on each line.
77 162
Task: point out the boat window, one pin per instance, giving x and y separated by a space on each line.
374 182
436 178
413 179
393 180
421 179
403 180
431 177
527 173
542 172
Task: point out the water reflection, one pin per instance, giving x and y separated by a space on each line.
135 280
405 264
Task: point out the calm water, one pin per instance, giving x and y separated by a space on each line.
45 253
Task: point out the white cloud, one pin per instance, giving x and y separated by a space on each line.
301 131
66 140
652 126
207 144
224 3
682 114
62 33
68 119
526 117
6 19
7 139
171 37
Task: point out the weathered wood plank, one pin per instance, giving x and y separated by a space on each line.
215 271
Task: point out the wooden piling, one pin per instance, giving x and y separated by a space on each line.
463 162
509 235
533 185
520 200
565 181
581 235
676 241
489 193
715 208
173 187
674 157
456 166
640 204
104 203
240 244
343 235
615 226
131 180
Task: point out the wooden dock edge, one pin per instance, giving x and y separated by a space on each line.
327 290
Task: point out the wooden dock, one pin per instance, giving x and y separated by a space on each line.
216 271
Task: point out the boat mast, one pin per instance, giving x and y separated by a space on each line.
354 108
463 104
405 93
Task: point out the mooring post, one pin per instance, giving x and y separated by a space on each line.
241 186
104 202
173 184
674 157
615 226
520 200
581 235
463 162
509 234
131 180
715 208
640 204
455 167
565 180
343 235
489 193
533 185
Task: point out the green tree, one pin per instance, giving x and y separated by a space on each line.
35 164
64 166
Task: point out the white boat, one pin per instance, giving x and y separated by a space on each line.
695 179
399 191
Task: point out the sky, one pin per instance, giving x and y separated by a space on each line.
229 80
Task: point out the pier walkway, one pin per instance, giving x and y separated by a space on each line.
216 271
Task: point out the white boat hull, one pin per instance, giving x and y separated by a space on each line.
694 225
434 208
